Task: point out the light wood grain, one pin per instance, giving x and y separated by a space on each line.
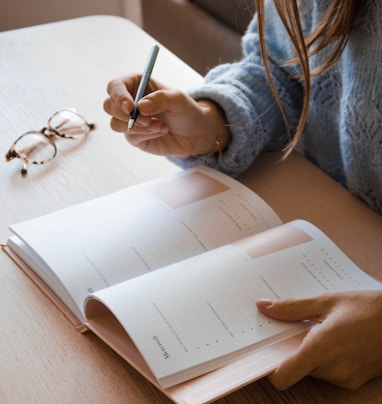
67 64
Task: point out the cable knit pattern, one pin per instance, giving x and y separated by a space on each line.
343 135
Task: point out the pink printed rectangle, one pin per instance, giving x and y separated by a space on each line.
187 189
273 240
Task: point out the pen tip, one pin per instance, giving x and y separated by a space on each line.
130 124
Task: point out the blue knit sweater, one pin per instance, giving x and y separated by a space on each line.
343 135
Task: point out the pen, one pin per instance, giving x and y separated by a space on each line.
143 84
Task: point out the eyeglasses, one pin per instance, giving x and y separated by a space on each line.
38 147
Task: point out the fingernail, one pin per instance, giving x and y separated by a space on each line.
264 302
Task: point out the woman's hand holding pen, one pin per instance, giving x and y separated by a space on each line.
169 122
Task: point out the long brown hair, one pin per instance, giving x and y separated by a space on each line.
334 29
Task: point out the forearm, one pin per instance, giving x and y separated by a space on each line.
243 92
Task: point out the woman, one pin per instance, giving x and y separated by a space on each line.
310 79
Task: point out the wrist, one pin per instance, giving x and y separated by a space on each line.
216 136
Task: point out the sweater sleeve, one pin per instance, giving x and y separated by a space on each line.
243 92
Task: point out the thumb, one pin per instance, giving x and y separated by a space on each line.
165 101
155 103
302 361
293 309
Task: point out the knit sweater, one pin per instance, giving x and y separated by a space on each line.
343 135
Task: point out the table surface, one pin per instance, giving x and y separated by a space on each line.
68 64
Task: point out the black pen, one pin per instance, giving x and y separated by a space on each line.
143 84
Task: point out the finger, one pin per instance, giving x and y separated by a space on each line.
139 133
313 308
148 107
300 364
121 92
115 110
118 125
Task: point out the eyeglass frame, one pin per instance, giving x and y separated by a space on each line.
49 133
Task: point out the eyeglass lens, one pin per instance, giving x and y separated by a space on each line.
68 124
35 147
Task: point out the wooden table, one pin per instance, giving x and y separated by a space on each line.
67 64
